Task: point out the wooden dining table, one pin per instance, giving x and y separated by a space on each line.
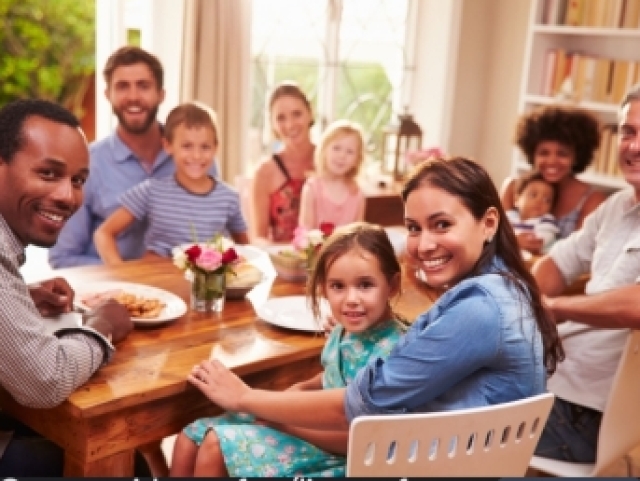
142 395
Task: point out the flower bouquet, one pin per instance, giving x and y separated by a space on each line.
295 262
207 265
416 157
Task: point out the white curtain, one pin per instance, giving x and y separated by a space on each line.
216 66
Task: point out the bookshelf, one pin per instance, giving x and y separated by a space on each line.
584 53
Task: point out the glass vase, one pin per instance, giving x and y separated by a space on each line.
208 291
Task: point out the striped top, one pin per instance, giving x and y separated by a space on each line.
175 215
544 227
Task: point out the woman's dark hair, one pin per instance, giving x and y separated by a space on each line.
469 182
362 236
535 176
574 127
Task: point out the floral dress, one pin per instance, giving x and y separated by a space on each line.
252 450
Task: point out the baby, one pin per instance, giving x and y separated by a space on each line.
532 212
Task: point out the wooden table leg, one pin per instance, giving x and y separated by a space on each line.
154 457
119 464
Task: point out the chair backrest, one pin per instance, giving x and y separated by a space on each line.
492 441
244 185
620 428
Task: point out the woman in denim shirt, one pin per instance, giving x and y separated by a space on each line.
487 340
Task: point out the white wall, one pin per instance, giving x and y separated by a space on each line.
506 53
433 87
161 25
470 55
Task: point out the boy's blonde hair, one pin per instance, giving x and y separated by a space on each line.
191 114
339 128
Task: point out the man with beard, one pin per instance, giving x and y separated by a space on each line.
43 166
132 154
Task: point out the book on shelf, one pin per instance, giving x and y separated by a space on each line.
548 72
554 12
613 167
574 14
595 12
590 78
621 79
561 69
613 13
605 161
601 80
592 13
598 165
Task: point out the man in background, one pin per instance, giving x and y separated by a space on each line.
44 164
594 326
130 155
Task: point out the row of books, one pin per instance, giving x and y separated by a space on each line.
592 13
582 77
605 161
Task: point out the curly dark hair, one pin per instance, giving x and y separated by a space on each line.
471 184
13 116
574 127
130 55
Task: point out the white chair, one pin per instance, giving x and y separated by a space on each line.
620 428
491 441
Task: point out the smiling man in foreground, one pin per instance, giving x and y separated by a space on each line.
43 166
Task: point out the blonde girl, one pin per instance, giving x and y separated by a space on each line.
332 194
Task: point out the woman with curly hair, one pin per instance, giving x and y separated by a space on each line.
559 142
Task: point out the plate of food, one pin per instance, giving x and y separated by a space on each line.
147 305
291 312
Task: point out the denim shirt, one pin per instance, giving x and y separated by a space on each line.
478 345
113 169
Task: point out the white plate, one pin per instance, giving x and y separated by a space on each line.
291 312
174 306
398 237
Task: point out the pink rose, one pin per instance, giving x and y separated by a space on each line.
300 238
210 259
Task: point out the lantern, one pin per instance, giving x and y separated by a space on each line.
397 140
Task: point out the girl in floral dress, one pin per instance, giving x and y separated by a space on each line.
357 273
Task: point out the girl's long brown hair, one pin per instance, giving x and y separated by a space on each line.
470 183
367 237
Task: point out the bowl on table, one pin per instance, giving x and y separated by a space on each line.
290 265
245 276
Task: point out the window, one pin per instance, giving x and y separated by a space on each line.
353 58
